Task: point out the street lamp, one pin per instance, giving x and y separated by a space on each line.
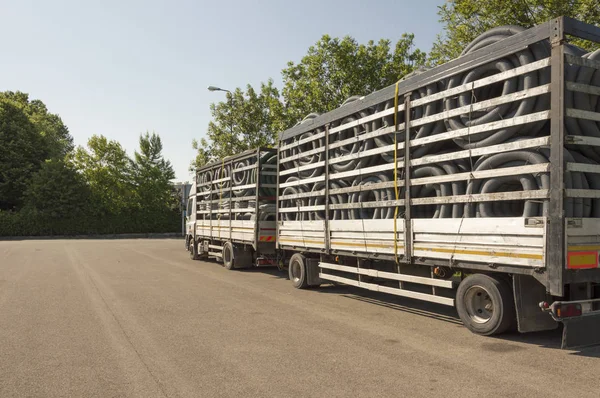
230 100
214 88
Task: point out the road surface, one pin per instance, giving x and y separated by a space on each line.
138 318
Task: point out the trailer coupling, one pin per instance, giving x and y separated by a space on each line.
580 319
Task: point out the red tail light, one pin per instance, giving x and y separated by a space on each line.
264 261
568 310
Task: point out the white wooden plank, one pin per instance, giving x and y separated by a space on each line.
508 98
368 205
366 119
363 154
302 182
394 291
583 193
377 133
238 170
490 225
301 208
474 175
361 188
302 195
366 225
365 171
583 88
294 144
582 140
299 225
483 197
302 155
463 254
296 170
581 114
389 275
583 167
482 240
575 60
465 132
483 82
363 120
585 227
511 146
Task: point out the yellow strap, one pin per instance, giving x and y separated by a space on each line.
396 171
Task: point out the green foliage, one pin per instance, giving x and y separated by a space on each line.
109 173
152 175
31 223
57 141
48 188
21 153
332 70
57 191
464 20
335 69
246 120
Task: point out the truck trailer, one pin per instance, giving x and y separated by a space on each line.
474 184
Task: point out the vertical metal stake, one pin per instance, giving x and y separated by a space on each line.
327 231
555 232
407 205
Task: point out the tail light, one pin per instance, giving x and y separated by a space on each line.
263 261
568 310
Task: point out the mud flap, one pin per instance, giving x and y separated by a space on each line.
581 331
312 272
528 293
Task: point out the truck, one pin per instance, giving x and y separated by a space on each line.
231 210
474 184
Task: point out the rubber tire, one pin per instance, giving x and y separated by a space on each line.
194 250
229 264
500 291
301 282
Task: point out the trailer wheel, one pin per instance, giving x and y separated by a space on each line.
297 271
194 250
228 256
485 304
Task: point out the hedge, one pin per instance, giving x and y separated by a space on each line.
31 224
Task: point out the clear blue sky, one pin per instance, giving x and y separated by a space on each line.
120 68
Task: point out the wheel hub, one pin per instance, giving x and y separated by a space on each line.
296 271
479 304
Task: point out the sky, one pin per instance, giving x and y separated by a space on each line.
121 68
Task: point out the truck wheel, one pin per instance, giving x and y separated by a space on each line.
297 271
485 304
228 257
194 250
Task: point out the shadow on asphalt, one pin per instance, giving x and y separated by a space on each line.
548 339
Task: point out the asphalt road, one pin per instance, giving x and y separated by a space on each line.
138 318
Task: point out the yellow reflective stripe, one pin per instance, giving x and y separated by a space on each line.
583 248
483 253
320 242
390 246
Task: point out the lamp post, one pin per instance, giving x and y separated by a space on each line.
230 99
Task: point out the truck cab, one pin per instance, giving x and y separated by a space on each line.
190 219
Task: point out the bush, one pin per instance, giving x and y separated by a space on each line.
26 223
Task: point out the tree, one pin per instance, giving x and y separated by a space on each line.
21 153
335 69
464 20
152 175
57 190
57 141
246 120
108 171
